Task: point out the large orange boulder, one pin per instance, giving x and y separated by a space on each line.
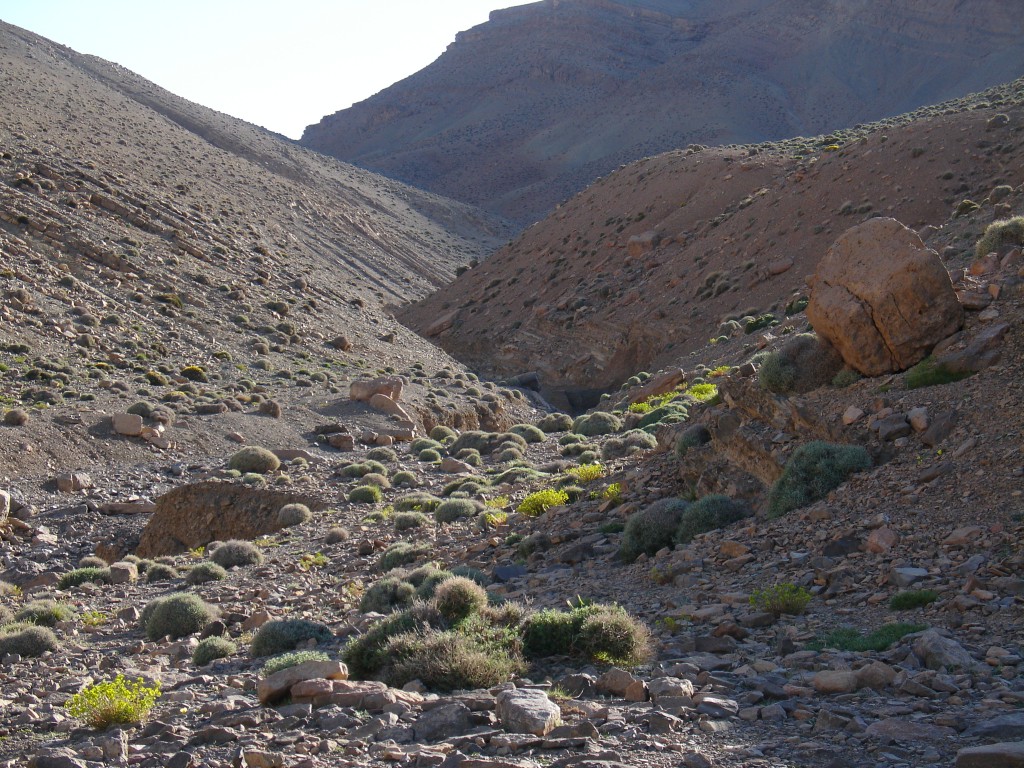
882 298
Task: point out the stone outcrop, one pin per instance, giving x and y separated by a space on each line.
882 298
193 515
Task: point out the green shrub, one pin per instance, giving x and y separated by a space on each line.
471 456
365 494
160 572
405 520
781 598
387 594
27 640
555 422
404 479
355 470
176 615
401 553
515 475
91 561
597 632
425 444
454 509
458 597
757 323
578 449
597 423
201 573
291 659
670 413
708 514
586 473
294 514
79 576
429 455
419 501
803 363
571 438
652 528
380 481
449 660
845 378
918 598
693 436
365 654
236 552
442 434
851 640
337 535
382 454
628 444
528 432
539 502
930 372
280 635
508 455
1000 233
211 649
612 636
45 613
426 579
481 442
812 471
253 458
117 701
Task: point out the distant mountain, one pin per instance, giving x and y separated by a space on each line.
525 110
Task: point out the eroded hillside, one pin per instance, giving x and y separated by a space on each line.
646 265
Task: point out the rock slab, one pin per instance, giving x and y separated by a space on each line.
524 710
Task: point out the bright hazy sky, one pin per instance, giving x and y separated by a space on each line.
282 65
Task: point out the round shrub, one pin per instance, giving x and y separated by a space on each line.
812 471
555 422
424 444
507 455
426 580
708 514
401 553
160 572
236 552
652 528
803 363
27 640
597 423
613 636
365 654
571 438
481 442
45 613
387 594
177 615
280 635
539 502
294 514
253 458
16 417
419 502
471 456
631 442
211 649
382 454
458 597
355 470
549 633
201 573
91 561
375 468
429 455
670 413
337 535
372 478
406 520
80 576
693 436
528 432
404 479
365 494
442 434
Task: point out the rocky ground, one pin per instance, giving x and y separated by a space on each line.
122 408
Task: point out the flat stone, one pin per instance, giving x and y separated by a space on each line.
876 675
524 710
904 577
908 731
280 683
963 536
1002 755
443 722
1003 727
852 415
835 681
127 424
938 652
881 540
716 706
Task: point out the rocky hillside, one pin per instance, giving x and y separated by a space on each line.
529 108
651 262
141 234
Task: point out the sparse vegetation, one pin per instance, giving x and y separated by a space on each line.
781 598
201 573
113 702
45 613
1000 233
851 640
930 372
27 640
294 514
597 423
707 514
918 598
80 576
365 494
539 502
291 659
803 363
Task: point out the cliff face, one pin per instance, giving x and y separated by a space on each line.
525 110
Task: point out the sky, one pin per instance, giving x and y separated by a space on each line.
281 65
